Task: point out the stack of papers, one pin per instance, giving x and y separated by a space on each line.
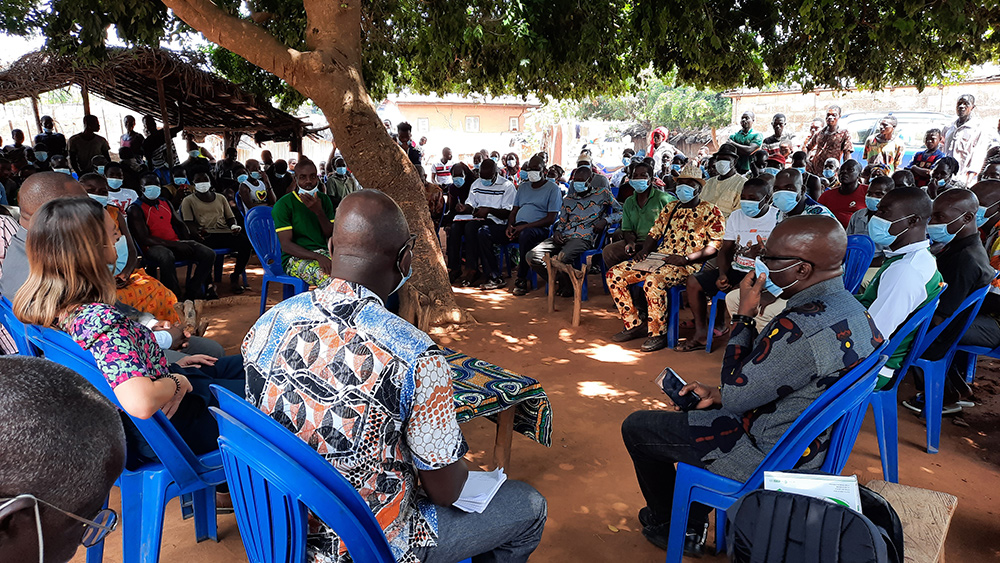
479 490
831 488
653 262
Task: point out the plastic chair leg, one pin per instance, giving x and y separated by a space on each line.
678 523
934 374
263 297
673 315
205 524
720 531
713 310
143 501
583 290
970 368
887 430
187 506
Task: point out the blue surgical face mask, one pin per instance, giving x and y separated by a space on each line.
114 183
151 192
626 160
279 175
802 170
65 171
522 175
829 173
771 170
676 167
256 175
939 232
686 193
102 199
194 153
981 217
41 156
872 202
579 187
405 278
458 181
759 267
100 170
639 185
785 200
878 230
941 182
751 208
487 181
312 192
242 178
180 181
121 249
341 170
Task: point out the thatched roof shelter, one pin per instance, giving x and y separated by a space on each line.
132 78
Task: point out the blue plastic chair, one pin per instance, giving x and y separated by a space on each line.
713 310
936 371
973 353
860 251
597 252
276 480
14 327
145 491
263 237
220 260
840 407
884 401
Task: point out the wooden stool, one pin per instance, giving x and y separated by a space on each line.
576 277
925 516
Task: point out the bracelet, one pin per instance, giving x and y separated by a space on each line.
743 319
177 383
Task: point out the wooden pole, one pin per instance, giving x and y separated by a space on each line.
85 93
167 138
38 117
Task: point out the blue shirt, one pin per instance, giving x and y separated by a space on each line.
534 204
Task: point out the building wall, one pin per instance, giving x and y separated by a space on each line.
800 109
452 117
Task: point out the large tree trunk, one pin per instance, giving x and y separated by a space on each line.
330 75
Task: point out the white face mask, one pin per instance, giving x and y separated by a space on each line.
202 187
534 175
723 167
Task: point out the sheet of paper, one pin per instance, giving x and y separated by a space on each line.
842 490
652 262
480 488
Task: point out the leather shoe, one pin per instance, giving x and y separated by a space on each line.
654 343
631 333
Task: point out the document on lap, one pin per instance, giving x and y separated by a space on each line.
480 488
653 262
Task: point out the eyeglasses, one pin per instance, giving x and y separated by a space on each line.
408 245
94 530
766 258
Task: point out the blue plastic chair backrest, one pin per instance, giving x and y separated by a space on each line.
857 260
260 229
175 455
851 391
972 303
274 477
919 321
15 327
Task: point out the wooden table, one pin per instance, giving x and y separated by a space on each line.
925 515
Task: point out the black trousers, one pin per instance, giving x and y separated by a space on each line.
984 331
238 242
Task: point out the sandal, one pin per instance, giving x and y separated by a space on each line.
689 345
686 324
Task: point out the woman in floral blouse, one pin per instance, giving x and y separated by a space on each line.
70 245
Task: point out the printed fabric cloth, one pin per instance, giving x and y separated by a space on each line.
769 379
828 145
485 389
370 393
579 213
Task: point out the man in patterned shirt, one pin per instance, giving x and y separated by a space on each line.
373 395
829 142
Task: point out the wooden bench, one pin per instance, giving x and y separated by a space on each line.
925 515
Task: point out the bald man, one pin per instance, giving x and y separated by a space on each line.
768 379
965 266
36 191
908 278
384 417
988 193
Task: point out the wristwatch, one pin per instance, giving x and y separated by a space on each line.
743 319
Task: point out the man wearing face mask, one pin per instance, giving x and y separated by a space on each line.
688 233
40 157
811 183
768 378
620 173
582 218
118 195
304 221
400 446
723 190
908 278
639 213
342 183
210 219
965 267
195 163
280 179
61 165
943 177
55 142
536 206
479 223
858 225
849 196
165 239
988 194
746 232
790 199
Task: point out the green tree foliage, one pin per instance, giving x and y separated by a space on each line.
653 101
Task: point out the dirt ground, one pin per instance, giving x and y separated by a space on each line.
593 384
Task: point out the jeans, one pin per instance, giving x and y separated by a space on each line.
508 531
570 250
162 258
196 345
527 240
235 241
656 440
490 235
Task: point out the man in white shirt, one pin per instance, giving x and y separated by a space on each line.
724 189
747 230
441 170
117 195
967 139
482 222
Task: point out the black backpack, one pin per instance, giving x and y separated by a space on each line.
779 527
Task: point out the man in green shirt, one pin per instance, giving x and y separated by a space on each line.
640 212
747 142
303 219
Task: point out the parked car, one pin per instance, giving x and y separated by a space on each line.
911 126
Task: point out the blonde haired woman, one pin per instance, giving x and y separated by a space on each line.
71 242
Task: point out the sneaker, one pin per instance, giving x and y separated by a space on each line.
211 294
916 404
520 286
495 283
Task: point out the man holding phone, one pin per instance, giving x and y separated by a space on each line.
768 379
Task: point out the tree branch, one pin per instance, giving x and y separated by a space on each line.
334 27
237 35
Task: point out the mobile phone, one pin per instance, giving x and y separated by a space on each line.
671 384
